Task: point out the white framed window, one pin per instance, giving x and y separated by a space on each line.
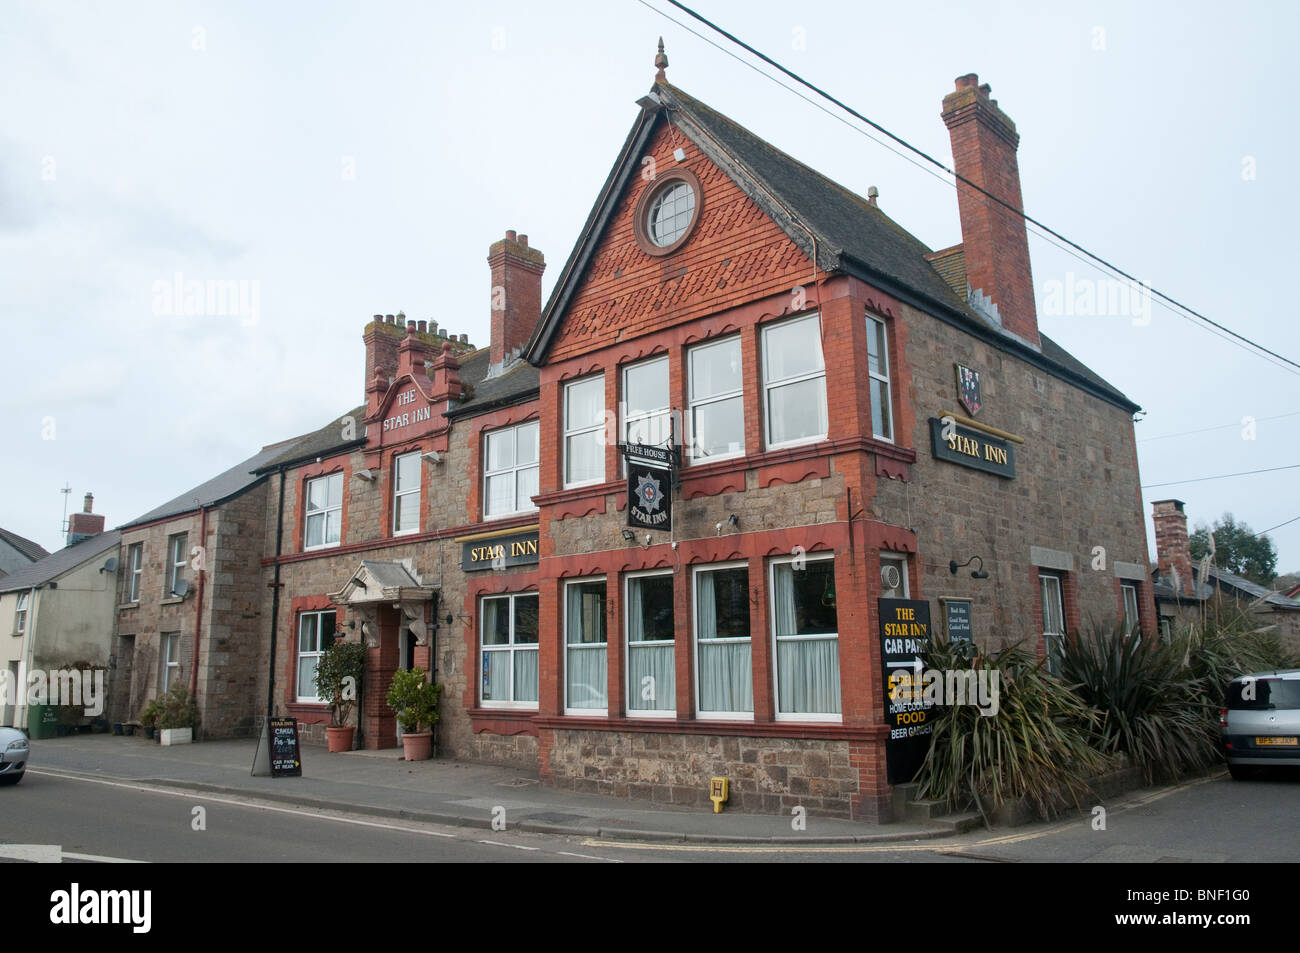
794 381
177 555
671 213
584 431
806 635
510 466
1132 623
646 416
585 657
716 395
134 568
406 494
169 659
651 676
324 523
882 411
893 577
20 616
724 670
1049 587
508 647
315 635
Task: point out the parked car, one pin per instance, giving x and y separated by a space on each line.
15 749
1260 723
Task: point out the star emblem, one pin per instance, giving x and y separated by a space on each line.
648 492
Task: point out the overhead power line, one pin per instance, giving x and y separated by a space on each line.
1278 526
1222 476
1048 233
1184 433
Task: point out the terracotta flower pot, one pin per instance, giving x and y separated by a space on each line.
417 747
340 738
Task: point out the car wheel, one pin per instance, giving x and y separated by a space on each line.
1240 772
11 778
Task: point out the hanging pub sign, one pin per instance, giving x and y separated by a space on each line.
649 487
904 641
968 388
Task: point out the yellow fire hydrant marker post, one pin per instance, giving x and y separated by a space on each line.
717 793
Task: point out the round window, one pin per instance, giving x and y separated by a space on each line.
670 214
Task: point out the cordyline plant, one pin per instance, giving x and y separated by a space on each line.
1036 746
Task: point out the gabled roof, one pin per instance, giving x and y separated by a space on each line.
60 561
32 551
220 488
1227 580
852 236
324 442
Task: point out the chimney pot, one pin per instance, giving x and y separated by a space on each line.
970 79
433 327
388 319
1173 552
422 326
523 240
872 194
464 339
510 234
88 505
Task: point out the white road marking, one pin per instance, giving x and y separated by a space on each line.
497 843
569 853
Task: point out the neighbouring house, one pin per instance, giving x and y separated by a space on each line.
17 552
57 615
1186 591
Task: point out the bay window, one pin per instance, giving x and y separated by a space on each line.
509 651
724 668
651 680
806 633
585 669
584 431
510 470
715 392
794 381
324 511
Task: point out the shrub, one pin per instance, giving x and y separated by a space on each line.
1035 747
176 709
338 675
149 714
414 700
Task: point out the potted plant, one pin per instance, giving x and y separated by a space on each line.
338 676
178 716
415 703
149 718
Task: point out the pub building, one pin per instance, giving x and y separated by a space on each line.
642 538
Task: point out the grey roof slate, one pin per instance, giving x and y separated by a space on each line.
1231 580
519 382
390 575
221 487
31 550
318 443
59 562
853 236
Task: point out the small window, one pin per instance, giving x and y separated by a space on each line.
806 631
882 417
509 651
794 381
584 431
20 617
178 553
724 675
510 470
1053 620
324 511
134 568
585 678
406 494
315 635
651 680
1132 623
645 411
169 660
671 212
717 412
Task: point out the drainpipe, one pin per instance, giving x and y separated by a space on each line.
433 656
198 603
275 599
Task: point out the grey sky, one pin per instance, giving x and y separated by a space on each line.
354 158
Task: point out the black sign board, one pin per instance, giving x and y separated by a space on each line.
958 612
904 640
499 552
951 441
657 456
649 495
286 757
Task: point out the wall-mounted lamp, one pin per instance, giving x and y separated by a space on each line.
366 475
433 456
953 566
733 521
629 535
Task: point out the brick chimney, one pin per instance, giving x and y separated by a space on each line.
1173 554
996 244
382 336
85 524
516 294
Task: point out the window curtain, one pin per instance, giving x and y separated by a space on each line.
808 670
725 680
585 674
525 675
653 660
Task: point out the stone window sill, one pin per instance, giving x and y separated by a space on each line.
128 605
174 601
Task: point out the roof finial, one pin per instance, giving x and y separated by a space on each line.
661 63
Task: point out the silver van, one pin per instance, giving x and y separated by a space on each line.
1260 723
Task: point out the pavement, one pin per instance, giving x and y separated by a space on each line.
440 791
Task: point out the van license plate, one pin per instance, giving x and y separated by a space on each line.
1290 742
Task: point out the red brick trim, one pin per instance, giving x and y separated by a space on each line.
526 519
297 606
478 585
498 721
298 542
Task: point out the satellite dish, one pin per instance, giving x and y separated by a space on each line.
181 588
889 575
110 564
